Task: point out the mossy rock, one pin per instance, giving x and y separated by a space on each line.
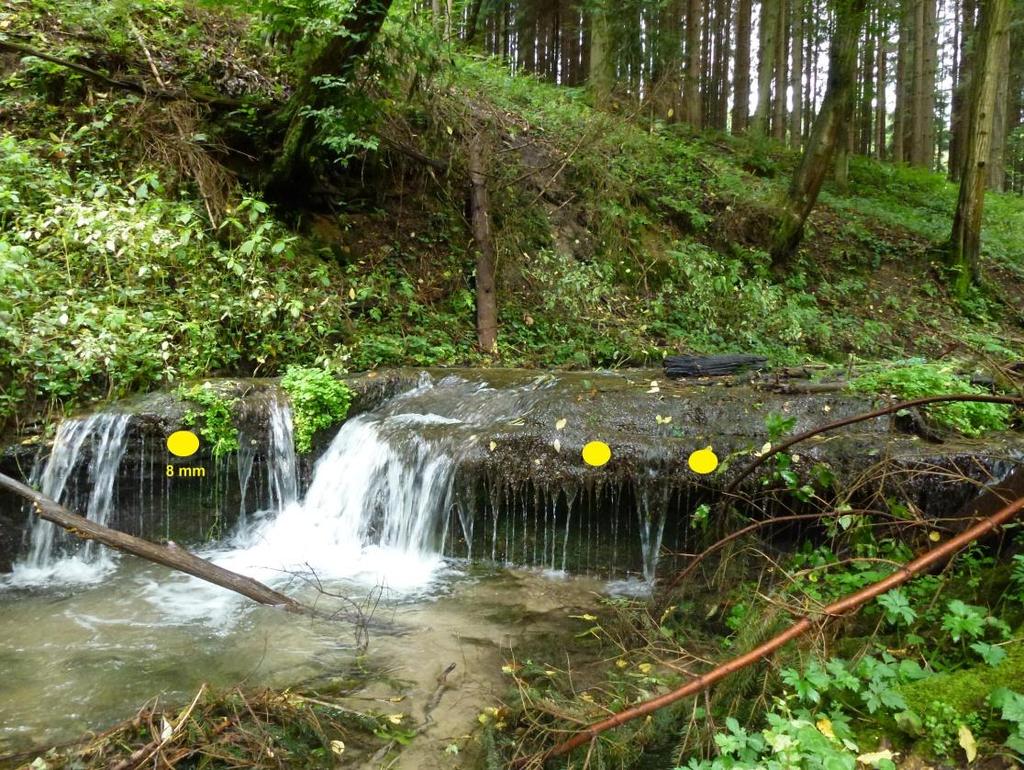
968 689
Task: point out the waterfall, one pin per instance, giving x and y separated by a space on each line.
282 466
373 511
99 441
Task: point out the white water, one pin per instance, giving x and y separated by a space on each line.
99 440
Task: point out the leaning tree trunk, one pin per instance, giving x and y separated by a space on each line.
826 133
293 169
965 241
480 218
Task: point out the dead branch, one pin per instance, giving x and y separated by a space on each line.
844 606
169 556
125 85
758 462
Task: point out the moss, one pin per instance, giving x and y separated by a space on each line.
966 690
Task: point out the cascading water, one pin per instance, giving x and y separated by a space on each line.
98 440
372 512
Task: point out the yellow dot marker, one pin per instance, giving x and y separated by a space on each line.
703 461
597 453
183 443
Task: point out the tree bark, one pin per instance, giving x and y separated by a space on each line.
965 241
480 217
473 20
781 70
692 106
882 52
600 76
827 131
961 88
796 74
741 97
168 556
765 65
1000 117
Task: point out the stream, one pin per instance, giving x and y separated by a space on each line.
455 504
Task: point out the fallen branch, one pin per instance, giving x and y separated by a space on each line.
169 556
124 85
844 606
731 489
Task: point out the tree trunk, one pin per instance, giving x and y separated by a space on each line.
741 97
965 241
781 70
480 217
473 20
961 89
902 113
796 74
692 107
765 65
882 52
601 76
867 95
1000 117
827 131
293 170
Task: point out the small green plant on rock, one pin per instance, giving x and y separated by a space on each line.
218 427
318 401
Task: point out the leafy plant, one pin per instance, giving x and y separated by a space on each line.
217 422
319 400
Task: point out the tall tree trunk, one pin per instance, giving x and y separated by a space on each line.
827 131
867 94
720 70
293 170
1000 117
961 90
473 20
601 75
741 96
796 73
965 241
765 65
882 52
904 79
480 218
781 70
692 106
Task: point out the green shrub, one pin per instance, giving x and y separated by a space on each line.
218 426
318 401
921 380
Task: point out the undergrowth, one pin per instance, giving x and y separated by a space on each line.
319 400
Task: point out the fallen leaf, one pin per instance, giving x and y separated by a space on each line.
874 757
351 293
396 719
493 446
967 742
338 747
560 424
825 728
557 445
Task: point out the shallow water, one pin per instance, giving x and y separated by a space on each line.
82 659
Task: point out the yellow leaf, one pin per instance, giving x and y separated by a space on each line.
621 663
493 446
557 445
967 742
338 747
351 293
560 424
934 537
645 668
396 719
587 697
874 757
825 728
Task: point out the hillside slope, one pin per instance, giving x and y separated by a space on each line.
135 250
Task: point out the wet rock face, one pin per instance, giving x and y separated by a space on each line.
520 491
